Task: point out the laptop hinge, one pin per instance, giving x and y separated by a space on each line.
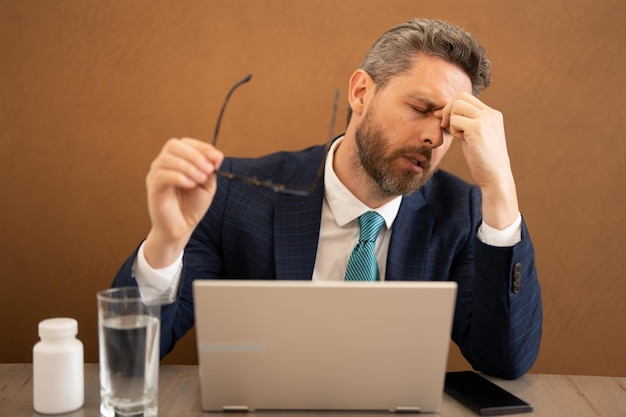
235 409
407 409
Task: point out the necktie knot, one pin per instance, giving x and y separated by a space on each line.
370 224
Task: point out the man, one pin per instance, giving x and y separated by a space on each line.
412 97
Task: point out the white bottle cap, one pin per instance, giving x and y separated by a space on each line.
58 328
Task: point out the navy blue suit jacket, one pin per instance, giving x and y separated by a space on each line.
252 233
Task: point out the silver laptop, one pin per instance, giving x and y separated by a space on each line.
322 346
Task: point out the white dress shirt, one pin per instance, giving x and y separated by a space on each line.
339 232
339 228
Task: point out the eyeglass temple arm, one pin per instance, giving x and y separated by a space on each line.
281 188
333 119
331 135
230 92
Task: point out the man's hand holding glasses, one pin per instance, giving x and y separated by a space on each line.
181 185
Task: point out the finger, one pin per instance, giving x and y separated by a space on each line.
461 107
204 147
199 145
200 154
211 153
460 124
473 100
466 114
445 117
464 104
198 172
165 178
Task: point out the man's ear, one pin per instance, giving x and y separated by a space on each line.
361 87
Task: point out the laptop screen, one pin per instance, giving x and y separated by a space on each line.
323 346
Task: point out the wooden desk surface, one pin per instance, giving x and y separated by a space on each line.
179 394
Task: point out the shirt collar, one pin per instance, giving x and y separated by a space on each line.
344 206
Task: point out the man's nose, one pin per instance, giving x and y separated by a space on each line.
432 135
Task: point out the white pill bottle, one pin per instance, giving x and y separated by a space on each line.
58 367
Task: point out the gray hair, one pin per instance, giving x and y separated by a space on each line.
395 52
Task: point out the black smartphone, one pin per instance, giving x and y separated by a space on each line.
483 396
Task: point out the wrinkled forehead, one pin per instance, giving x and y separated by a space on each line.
430 78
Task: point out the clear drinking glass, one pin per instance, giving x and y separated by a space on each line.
128 334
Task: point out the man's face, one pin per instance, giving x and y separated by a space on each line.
400 138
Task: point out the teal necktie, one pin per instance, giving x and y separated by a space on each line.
362 265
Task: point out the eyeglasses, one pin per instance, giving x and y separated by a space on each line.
254 181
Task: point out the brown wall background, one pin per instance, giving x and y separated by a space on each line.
90 90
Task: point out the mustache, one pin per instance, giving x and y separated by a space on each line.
424 151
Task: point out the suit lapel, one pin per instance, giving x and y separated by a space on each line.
412 231
297 224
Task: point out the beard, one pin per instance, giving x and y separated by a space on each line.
380 164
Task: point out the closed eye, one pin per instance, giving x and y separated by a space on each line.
421 110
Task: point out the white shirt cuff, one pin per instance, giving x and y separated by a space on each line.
157 285
510 236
